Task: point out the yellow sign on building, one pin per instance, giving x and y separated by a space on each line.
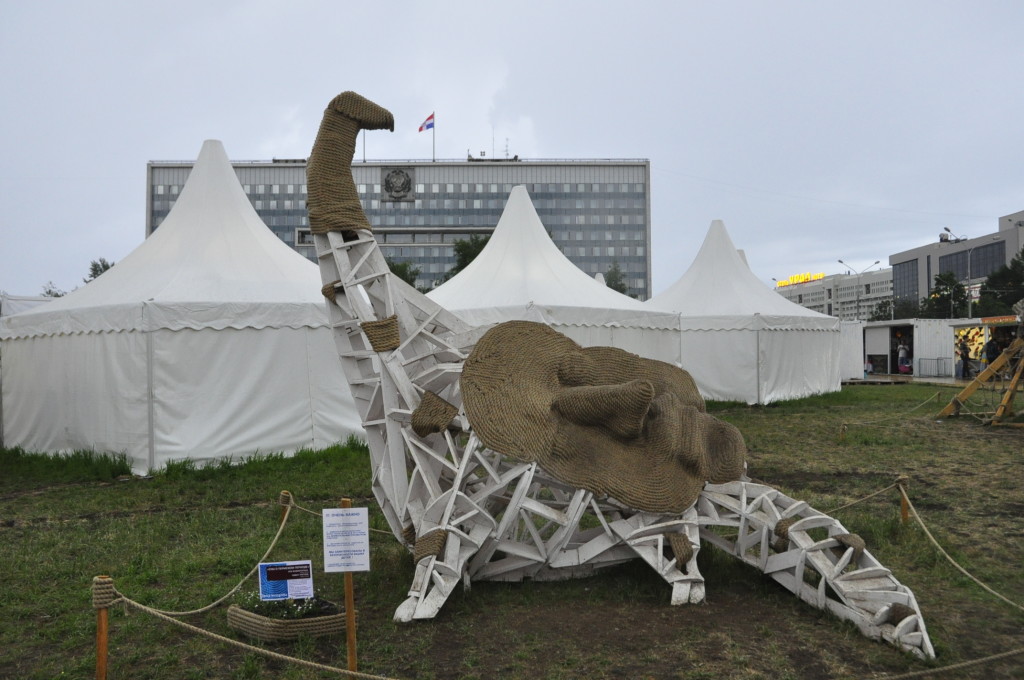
799 278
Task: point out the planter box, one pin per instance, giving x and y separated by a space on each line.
269 630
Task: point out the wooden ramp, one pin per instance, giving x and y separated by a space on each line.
1012 361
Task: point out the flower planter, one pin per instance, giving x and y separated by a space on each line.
268 629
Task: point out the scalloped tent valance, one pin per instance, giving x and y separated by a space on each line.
210 339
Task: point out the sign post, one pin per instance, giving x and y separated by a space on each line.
347 549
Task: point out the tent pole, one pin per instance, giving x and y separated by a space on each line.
757 357
149 388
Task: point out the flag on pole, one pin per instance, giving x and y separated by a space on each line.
428 124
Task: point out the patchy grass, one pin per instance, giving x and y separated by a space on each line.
185 536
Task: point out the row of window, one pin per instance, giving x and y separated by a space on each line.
465 188
544 206
448 252
634 285
481 221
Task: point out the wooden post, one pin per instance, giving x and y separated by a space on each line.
101 641
284 508
904 506
350 609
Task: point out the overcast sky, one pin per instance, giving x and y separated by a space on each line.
816 130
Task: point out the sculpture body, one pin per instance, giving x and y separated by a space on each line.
550 494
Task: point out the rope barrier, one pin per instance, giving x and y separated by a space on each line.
938 547
280 530
252 648
869 496
954 667
899 415
291 503
105 595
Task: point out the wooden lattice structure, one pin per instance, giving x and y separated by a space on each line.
1010 361
470 513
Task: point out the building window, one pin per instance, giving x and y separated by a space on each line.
904 280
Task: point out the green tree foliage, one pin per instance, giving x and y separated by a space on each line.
406 271
1002 289
905 309
614 278
466 251
948 299
51 290
97 267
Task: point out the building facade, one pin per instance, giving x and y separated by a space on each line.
970 259
846 296
596 211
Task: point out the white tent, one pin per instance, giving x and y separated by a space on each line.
521 274
208 340
851 353
16 304
742 341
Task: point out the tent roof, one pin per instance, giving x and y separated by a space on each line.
719 283
212 263
521 266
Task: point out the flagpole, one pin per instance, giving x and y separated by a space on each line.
433 141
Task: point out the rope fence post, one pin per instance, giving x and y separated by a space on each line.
350 609
102 598
284 499
901 482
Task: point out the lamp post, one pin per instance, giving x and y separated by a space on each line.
970 251
856 314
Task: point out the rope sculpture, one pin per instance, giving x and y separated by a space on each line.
512 453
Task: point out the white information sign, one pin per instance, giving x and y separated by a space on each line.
286 580
346 539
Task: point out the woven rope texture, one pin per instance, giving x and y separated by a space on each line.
429 545
432 415
681 548
333 202
601 419
266 629
382 334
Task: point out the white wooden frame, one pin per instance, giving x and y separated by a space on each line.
507 520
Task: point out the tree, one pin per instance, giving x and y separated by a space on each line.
97 267
1002 289
948 299
904 309
465 252
51 290
406 271
614 278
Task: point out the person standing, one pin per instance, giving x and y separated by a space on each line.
903 357
992 350
965 359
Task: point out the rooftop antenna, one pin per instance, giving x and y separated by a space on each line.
506 148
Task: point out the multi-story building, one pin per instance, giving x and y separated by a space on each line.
596 211
970 259
847 296
913 272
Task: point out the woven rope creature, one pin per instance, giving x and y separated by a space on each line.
511 453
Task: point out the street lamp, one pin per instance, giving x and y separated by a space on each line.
856 314
970 251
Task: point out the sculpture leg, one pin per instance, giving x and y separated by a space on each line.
670 547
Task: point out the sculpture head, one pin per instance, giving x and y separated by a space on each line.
597 418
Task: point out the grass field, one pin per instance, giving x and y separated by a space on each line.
182 538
